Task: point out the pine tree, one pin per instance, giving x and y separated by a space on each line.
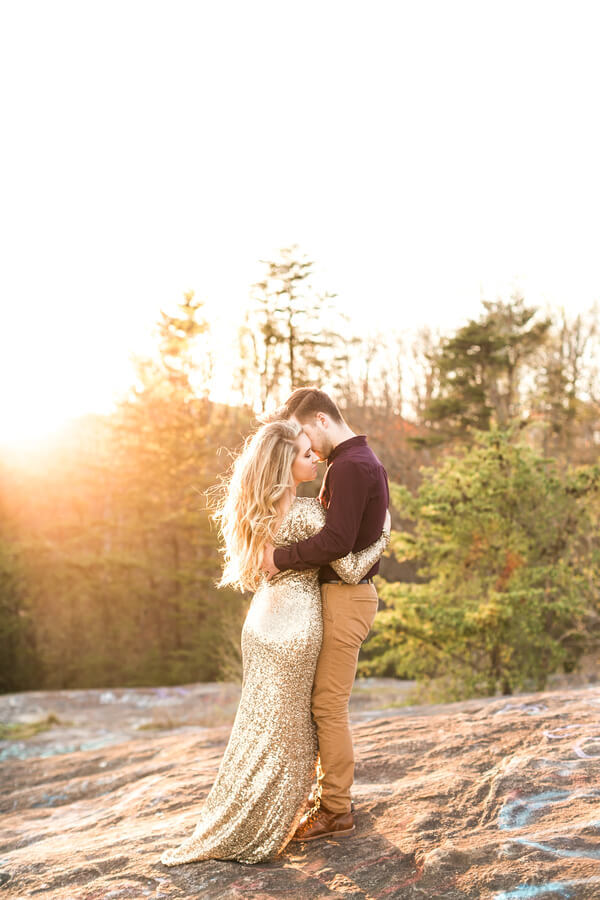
479 370
292 336
509 578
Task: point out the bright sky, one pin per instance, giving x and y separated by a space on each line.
424 154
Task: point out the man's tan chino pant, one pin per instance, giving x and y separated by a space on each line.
348 613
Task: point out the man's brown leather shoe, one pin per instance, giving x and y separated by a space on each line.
321 823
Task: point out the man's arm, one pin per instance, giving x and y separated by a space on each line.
348 483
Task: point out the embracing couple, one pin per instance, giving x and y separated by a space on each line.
310 563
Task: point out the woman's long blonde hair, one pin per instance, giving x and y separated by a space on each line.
248 512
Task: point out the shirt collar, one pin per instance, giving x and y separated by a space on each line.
355 441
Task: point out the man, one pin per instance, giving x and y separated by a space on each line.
355 493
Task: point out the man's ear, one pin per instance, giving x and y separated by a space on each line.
323 420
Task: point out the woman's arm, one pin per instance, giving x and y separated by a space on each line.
354 566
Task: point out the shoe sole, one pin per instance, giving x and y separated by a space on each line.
316 837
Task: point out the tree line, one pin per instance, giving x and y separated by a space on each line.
490 436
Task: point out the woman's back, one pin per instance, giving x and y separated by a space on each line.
267 771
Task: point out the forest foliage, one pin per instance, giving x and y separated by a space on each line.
508 557
490 436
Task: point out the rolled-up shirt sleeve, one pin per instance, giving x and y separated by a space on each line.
348 484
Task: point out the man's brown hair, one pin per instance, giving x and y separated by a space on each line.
306 402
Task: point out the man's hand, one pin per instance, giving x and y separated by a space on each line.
268 566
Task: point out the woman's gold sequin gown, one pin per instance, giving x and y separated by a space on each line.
267 771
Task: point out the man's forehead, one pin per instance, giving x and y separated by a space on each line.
298 422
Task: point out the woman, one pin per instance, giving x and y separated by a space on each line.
266 774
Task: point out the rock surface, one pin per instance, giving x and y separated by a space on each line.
492 798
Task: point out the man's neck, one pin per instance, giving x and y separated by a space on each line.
344 434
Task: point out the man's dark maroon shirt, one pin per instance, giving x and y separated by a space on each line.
356 495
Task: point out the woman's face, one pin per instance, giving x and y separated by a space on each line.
304 467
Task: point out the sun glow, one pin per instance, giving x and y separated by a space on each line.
28 424
50 387
54 390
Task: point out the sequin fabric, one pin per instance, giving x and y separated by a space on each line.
267 770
